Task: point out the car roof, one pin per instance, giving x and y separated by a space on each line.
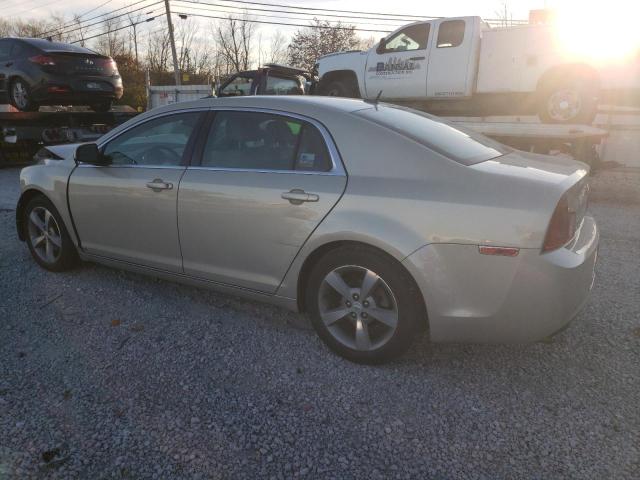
302 104
47 46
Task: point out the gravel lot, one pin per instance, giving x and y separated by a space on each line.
105 374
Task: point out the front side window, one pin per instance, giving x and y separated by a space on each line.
240 85
159 142
414 37
450 34
282 86
263 141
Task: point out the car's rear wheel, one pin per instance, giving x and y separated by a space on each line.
47 237
20 96
363 304
104 106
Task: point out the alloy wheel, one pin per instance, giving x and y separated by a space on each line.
564 105
358 307
20 95
45 235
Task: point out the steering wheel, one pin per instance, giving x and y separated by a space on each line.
160 155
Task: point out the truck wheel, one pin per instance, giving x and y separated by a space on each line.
339 88
102 106
568 101
20 96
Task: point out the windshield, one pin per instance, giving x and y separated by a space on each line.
454 142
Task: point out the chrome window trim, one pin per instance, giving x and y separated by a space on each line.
163 167
337 166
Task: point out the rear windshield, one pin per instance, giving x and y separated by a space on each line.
454 142
48 46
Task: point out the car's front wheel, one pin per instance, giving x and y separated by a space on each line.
20 96
363 304
47 238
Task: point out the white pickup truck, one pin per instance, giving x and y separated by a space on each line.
462 61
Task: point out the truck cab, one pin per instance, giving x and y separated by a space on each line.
436 59
271 79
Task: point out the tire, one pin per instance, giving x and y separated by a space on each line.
102 107
55 250
350 325
566 101
20 96
339 88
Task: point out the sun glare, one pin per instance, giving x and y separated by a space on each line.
600 31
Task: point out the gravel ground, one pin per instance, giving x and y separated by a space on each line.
105 374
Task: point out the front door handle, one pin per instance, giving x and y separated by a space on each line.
158 184
297 196
8 64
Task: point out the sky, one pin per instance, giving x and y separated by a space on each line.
484 8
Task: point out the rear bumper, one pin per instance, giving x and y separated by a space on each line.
77 91
480 298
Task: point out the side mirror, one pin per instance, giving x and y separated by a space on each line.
381 46
89 153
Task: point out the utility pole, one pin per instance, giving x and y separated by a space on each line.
176 68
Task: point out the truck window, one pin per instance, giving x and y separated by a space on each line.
458 144
414 37
240 85
450 33
282 86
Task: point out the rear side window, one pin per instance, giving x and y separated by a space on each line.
239 86
282 86
263 141
450 34
458 144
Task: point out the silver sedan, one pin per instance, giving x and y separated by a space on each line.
378 221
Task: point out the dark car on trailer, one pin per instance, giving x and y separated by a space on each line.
35 72
272 79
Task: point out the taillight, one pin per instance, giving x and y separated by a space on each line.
109 65
562 226
42 60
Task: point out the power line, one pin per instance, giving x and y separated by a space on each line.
114 30
94 8
300 13
153 14
58 29
66 32
282 23
386 25
264 4
20 12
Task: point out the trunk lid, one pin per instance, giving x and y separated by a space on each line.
82 64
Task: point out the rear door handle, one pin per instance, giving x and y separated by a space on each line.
158 184
8 64
297 196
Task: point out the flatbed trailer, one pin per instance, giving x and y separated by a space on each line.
525 133
22 134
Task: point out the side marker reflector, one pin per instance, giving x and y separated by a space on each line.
501 251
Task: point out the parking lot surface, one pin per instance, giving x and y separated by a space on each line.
106 374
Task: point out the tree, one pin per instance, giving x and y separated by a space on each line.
278 49
320 38
235 42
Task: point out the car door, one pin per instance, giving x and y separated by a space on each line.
453 60
5 63
127 210
261 184
398 66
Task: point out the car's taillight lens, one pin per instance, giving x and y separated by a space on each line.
42 60
109 65
562 226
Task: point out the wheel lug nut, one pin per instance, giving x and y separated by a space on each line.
353 314
356 296
364 315
348 303
365 304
